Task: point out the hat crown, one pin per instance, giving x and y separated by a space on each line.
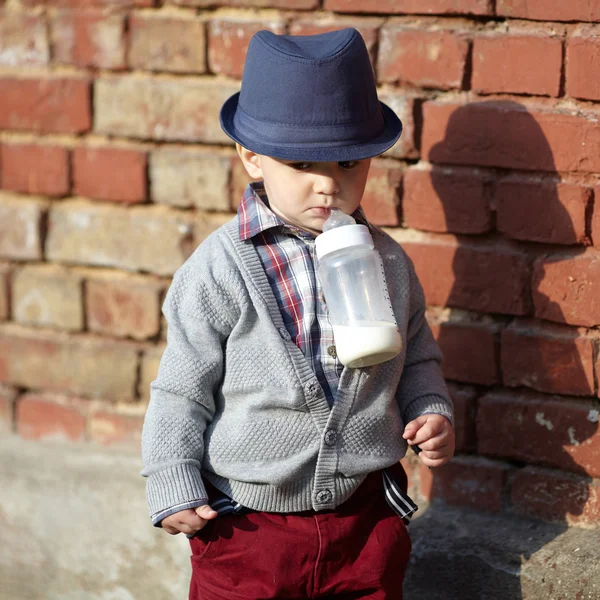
324 79
307 47
310 98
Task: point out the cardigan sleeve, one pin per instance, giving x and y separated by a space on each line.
182 398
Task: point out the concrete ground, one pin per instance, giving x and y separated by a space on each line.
73 526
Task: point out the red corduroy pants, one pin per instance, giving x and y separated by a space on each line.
359 550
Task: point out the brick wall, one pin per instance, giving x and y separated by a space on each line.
113 168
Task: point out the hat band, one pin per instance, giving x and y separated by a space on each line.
292 136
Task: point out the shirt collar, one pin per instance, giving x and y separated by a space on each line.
255 216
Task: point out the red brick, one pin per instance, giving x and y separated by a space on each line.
404 104
116 426
475 483
595 218
566 287
441 199
583 64
23 39
83 365
368 28
46 416
21 221
442 7
518 63
548 358
123 306
286 4
83 4
149 370
423 58
159 43
153 239
463 398
175 109
549 10
507 134
239 182
484 276
542 210
228 42
49 105
555 496
191 176
7 407
380 200
89 38
47 295
116 174
35 169
561 433
470 349
4 291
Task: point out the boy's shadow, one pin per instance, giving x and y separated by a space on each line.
470 133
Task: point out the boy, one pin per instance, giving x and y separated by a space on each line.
254 428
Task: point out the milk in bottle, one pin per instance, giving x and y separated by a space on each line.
351 275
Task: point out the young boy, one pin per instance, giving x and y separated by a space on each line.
254 428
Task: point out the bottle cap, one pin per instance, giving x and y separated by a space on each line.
342 237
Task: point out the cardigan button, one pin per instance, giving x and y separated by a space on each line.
310 389
331 437
323 497
285 334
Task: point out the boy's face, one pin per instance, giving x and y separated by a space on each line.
303 193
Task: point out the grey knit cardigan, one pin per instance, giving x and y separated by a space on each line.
236 402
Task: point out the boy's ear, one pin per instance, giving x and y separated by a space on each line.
251 162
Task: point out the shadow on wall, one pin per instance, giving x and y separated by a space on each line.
541 436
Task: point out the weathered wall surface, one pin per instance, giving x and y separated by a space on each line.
74 527
113 168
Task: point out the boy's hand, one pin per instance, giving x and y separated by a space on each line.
434 435
188 521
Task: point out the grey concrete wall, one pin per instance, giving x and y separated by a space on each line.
73 526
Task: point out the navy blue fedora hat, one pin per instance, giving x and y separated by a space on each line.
310 98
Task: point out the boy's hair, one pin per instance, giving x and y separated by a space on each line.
310 98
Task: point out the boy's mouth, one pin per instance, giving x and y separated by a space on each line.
320 211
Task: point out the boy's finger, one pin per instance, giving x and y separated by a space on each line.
191 519
413 426
424 435
206 512
436 454
171 530
187 529
434 462
434 443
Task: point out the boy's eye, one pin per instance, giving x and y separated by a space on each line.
300 166
348 164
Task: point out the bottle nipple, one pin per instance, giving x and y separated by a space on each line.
337 218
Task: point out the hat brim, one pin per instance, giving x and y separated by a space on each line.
318 152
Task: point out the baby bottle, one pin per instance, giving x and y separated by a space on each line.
351 275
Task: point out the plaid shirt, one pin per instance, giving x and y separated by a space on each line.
287 254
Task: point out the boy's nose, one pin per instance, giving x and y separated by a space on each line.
326 184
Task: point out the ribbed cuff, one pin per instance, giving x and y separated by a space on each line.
429 405
172 486
163 514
